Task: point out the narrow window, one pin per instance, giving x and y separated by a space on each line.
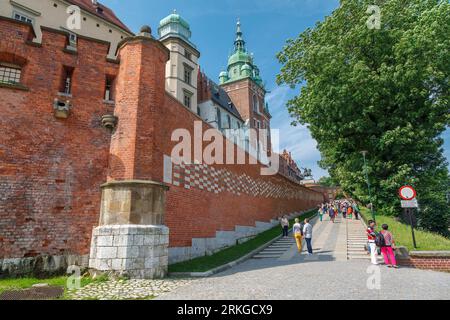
187 100
73 38
10 74
255 104
109 87
219 119
228 122
67 79
187 75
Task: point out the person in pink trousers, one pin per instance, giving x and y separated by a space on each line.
388 250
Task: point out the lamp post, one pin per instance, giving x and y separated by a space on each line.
364 153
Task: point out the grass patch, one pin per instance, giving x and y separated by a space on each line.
26 283
426 241
231 254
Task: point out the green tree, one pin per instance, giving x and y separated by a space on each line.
385 91
327 181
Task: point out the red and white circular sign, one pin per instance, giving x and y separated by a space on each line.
407 193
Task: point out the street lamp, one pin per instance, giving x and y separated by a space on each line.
364 153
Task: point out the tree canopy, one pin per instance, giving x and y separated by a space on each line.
383 89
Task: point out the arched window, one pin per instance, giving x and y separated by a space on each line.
255 103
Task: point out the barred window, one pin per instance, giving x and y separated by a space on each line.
21 17
9 74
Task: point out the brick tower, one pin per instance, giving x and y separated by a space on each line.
132 239
245 87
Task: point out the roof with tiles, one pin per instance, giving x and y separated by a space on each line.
100 11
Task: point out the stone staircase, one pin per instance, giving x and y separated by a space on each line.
357 240
277 249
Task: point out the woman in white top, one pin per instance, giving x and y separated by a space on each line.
298 234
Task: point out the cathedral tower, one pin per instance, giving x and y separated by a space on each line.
244 85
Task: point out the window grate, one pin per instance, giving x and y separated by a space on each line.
22 17
10 75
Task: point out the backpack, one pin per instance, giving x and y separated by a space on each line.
380 241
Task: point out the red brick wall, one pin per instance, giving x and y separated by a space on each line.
51 170
427 263
199 214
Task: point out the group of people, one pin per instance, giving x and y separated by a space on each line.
383 240
301 231
346 208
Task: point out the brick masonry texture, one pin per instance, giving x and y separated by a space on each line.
428 263
51 170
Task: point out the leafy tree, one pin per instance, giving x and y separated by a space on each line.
327 181
384 91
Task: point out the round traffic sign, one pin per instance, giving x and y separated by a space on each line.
407 193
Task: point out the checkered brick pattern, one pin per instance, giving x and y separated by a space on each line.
209 179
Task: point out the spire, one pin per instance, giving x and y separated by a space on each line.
239 44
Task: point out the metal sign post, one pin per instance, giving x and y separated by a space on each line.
409 212
409 202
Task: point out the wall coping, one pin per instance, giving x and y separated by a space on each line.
429 254
134 183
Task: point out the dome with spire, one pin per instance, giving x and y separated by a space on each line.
174 18
175 26
240 63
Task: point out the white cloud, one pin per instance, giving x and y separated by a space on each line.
298 139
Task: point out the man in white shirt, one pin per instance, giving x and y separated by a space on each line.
308 233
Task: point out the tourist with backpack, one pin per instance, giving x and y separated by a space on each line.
388 247
298 234
372 237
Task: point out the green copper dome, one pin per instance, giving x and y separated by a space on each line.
175 26
240 57
174 18
240 63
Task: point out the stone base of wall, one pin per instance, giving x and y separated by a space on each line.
427 260
41 266
133 251
224 239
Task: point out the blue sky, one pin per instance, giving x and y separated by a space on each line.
266 24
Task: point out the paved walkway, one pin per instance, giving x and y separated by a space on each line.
326 275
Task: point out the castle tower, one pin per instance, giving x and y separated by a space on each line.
182 68
244 85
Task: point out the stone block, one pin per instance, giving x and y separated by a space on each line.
138 240
107 252
105 241
121 241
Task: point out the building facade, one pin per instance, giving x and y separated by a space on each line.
93 20
289 168
182 68
89 179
